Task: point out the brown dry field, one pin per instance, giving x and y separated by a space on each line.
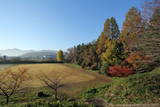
75 79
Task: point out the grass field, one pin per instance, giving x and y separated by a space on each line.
75 79
3 66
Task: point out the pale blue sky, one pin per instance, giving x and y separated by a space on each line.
56 24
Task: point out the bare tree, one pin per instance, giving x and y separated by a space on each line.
11 82
55 83
148 9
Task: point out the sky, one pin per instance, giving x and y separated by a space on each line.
57 24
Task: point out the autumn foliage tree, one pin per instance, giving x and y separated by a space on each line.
110 31
60 56
155 22
131 48
106 49
132 28
114 49
135 60
150 41
101 47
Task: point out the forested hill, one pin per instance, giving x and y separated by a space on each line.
133 49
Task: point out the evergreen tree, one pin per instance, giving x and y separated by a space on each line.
113 47
113 30
110 31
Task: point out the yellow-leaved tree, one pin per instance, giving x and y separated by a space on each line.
60 56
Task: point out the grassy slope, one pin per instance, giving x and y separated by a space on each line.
138 88
75 83
71 75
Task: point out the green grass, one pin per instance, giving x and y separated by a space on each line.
136 89
79 67
73 65
29 98
44 103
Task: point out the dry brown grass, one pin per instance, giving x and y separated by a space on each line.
76 81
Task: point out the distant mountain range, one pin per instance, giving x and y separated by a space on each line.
42 53
27 53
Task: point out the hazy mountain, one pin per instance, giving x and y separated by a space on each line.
14 52
42 53
28 53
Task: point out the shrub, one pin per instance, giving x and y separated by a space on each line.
94 92
42 94
120 71
104 68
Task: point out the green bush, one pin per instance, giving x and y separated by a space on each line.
94 92
104 68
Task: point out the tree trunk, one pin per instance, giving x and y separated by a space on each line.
7 100
56 94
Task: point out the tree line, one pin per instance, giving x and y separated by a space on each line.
126 49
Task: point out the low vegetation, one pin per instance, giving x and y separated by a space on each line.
43 103
136 89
